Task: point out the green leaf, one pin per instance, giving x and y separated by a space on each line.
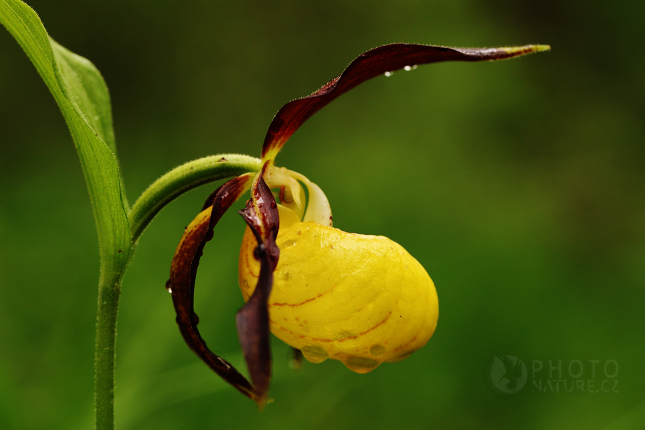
83 98
84 101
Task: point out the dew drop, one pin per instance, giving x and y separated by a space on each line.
377 350
284 276
314 354
388 74
343 335
360 364
408 68
169 286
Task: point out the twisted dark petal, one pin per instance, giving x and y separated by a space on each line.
211 198
182 280
261 214
372 63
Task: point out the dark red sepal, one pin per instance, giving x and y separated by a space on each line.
372 63
182 280
261 215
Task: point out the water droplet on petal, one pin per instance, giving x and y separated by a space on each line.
169 286
377 350
314 354
388 74
408 68
360 364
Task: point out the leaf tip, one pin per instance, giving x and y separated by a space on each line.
516 51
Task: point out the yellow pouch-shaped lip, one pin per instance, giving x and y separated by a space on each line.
359 299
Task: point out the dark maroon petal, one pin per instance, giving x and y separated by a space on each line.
253 329
182 280
211 198
261 214
372 63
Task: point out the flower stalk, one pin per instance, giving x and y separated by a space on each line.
184 178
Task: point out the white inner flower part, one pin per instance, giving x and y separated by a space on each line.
318 208
293 195
278 177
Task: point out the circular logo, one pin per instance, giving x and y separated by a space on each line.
508 374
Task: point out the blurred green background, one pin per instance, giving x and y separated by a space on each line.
518 185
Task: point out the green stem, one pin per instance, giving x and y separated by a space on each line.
104 356
184 178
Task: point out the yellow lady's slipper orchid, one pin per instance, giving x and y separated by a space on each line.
359 299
